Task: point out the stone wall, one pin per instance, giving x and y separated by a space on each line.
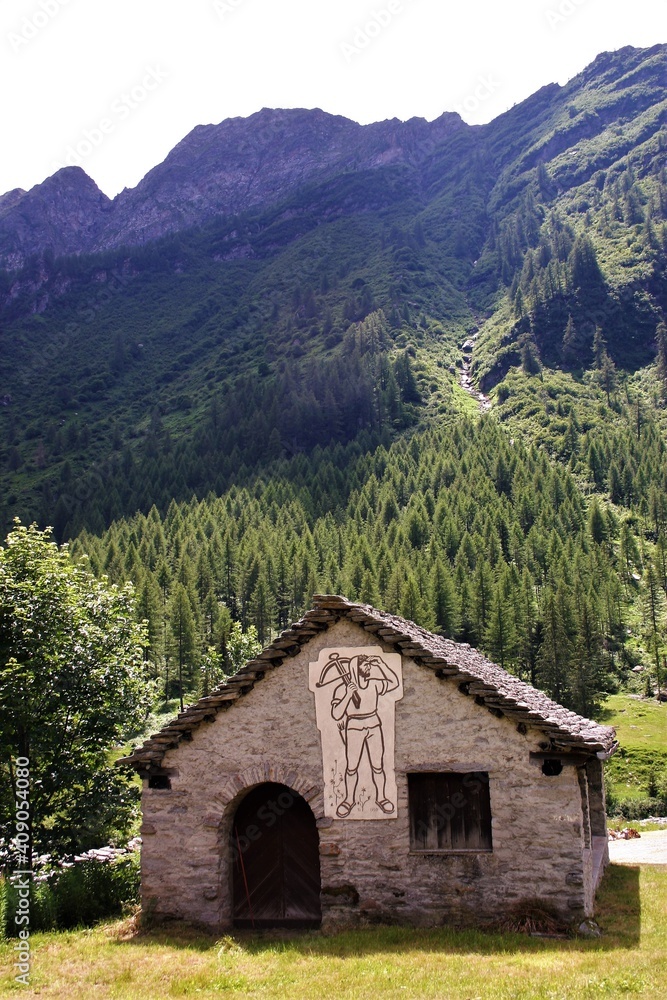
368 872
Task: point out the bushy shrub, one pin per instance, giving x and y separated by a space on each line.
639 808
75 896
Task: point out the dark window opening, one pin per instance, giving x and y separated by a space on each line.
450 812
159 781
552 768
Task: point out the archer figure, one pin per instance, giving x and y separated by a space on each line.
354 706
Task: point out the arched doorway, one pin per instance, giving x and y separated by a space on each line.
276 862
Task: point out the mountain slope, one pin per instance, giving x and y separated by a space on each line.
140 373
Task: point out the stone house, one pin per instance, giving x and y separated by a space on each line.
362 769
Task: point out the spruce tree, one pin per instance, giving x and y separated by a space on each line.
184 637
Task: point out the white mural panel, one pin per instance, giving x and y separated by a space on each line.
356 690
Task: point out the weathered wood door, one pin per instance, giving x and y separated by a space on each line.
276 866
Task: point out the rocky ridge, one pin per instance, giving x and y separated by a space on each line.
216 170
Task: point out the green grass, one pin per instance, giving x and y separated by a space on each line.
640 724
114 961
641 728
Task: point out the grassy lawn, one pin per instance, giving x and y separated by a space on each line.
113 961
641 728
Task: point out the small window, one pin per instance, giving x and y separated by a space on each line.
449 812
162 781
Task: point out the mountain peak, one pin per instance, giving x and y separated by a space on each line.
61 214
255 163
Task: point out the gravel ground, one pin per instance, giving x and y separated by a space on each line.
649 849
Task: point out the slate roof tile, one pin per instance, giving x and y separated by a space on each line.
459 662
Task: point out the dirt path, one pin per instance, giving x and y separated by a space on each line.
649 849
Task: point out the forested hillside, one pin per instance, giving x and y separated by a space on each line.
242 413
465 530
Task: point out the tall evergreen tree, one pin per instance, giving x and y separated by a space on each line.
184 638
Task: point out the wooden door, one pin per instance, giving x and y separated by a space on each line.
276 864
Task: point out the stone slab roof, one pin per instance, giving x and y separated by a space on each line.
492 687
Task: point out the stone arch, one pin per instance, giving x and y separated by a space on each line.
226 801
274 859
236 785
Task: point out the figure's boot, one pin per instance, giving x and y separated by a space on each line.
380 782
345 808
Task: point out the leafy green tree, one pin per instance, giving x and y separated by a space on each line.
72 685
211 669
241 646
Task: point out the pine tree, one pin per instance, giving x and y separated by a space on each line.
444 603
262 609
608 376
500 636
553 664
654 617
588 681
412 606
482 590
597 524
570 341
661 347
530 629
150 611
184 636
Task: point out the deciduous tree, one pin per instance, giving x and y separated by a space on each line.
72 684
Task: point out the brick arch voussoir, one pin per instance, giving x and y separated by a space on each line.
237 785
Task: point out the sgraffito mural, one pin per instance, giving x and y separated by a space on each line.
356 690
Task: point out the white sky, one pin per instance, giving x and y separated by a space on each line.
150 70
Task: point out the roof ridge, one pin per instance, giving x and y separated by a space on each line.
493 687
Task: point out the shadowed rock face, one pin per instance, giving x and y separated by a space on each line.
217 170
62 214
257 163
248 163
